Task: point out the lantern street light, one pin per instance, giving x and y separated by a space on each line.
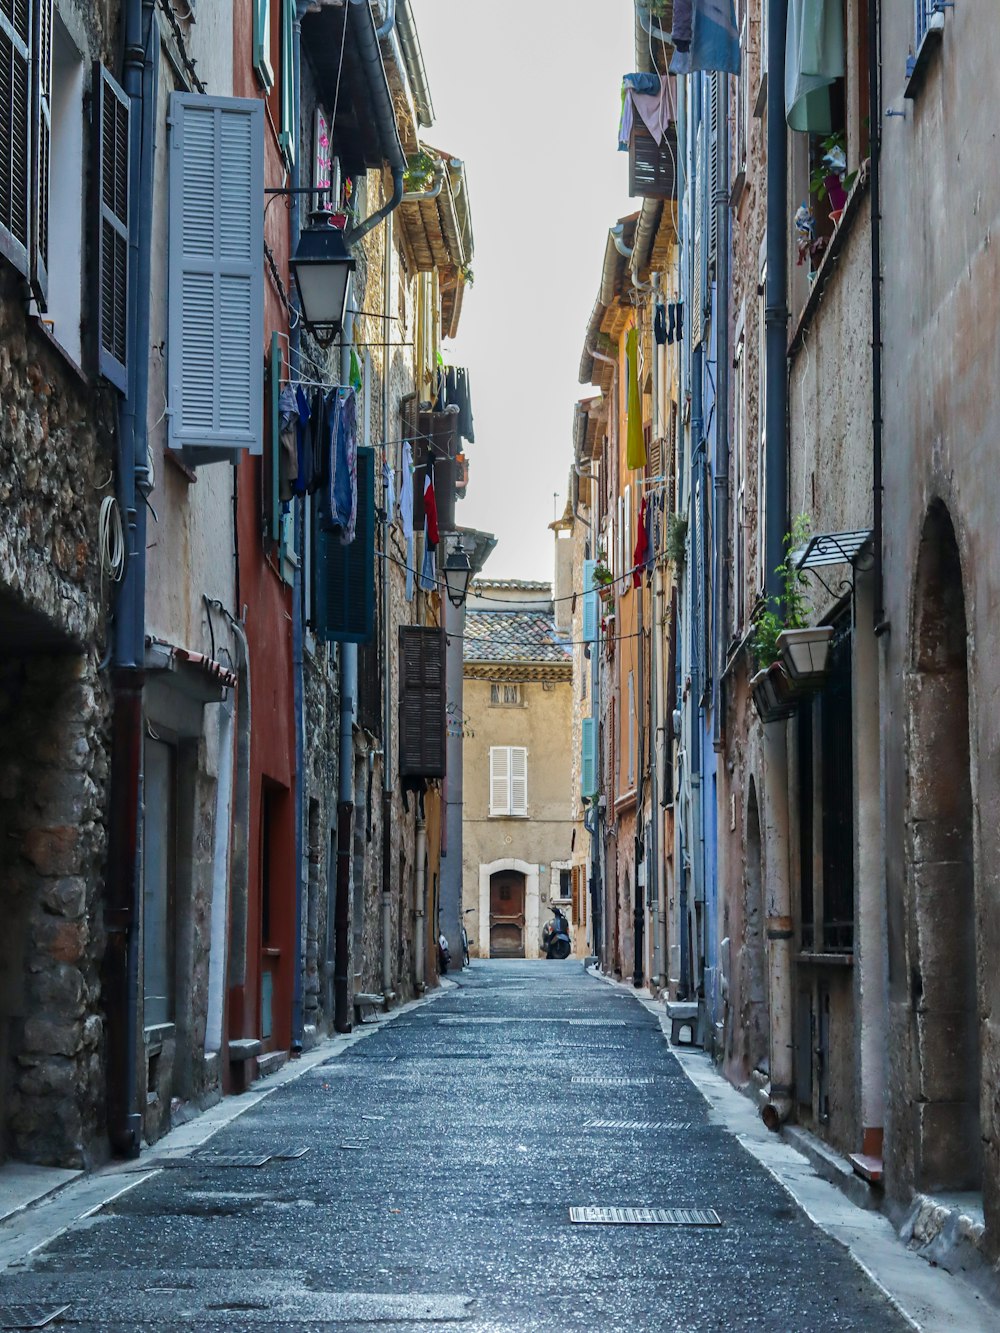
322 265
457 573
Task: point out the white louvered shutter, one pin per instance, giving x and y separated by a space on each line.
216 274
41 145
500 780
518 780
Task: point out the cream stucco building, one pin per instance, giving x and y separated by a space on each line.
519 808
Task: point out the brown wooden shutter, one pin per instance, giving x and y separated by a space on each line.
652 170
111 137
41 143
15 132
421 702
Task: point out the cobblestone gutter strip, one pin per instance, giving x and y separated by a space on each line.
71 1201
929 1299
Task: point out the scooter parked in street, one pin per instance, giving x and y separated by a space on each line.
555 936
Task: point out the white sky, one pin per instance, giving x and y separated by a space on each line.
530 99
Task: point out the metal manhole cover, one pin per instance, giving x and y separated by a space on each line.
251 1159
639 1124
657 1217
603 1081
30 1316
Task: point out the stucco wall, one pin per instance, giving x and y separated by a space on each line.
543 723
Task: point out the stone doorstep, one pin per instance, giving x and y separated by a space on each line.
832 1167
271 1062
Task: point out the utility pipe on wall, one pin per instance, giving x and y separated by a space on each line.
420 888
779 924
386 587
722 361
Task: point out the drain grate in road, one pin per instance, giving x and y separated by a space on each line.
288 1152
30 1316
603 1081
244 1159
653 1217
640 1124
573 1022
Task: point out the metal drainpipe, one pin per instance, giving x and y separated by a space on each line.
721 478
387 737
420 888
779 920
638 969
123 906
875 186
342 1018
298 659
389 22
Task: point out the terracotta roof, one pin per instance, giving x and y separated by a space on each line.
513 636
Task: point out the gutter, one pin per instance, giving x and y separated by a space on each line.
419 196
722 362
354 234
415 71
370 53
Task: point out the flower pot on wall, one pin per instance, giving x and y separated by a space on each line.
606 592
806 654
774 695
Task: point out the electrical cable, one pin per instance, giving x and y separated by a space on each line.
111 540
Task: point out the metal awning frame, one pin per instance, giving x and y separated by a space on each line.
825 549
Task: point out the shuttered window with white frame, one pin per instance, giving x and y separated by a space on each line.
509 780
216 274
15 135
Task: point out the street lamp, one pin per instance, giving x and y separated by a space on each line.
457 573
322 265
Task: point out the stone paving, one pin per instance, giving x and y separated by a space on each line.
445 1153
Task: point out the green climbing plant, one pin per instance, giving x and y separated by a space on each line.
791 609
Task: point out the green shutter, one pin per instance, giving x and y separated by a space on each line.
273 501
345 575
287 136
262 43
588 758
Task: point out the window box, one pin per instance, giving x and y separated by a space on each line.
930 42
774 695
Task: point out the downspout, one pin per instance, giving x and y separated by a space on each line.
123 909
354 234
875 186
649 27
420 891
387 732
776 851
342 1018
388 22
722 360
640 842
418 196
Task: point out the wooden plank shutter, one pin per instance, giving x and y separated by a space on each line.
714 164
345 575
287 136
422 702
15 132
272 470
111 140
500 780
590 619
652 166
518 780
588 757
41 144
216 274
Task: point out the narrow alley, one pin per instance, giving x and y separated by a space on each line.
444 1151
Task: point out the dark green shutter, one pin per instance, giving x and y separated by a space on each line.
41 145
422 702
345 575
110 131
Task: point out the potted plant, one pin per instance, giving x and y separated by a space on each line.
775 694
677 531
829 179
603 579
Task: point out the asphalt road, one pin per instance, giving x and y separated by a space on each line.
445 1152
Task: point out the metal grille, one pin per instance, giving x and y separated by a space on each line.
657 1217
640 1124
248 1159
602 1081
30 1316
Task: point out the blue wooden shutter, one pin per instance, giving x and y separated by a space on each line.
345 575
272 487
422 702
588 758
15 135
215 369
111 136
590 617
41 144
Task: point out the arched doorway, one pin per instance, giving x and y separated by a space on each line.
507 891
754 1001
939 830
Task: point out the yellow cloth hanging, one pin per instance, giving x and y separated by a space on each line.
635 443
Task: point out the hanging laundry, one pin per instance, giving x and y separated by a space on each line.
640 554
705 36
428 580
288 453
660 325
635 444
354 378
430 511
657 109
326 419
641 83
389 490
814 60
345 491
303 444
406 513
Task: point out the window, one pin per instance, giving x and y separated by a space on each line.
15 135
509 780
504 695
565 883
262 43
631 730
158 881
739 483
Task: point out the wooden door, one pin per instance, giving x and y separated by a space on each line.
507 914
